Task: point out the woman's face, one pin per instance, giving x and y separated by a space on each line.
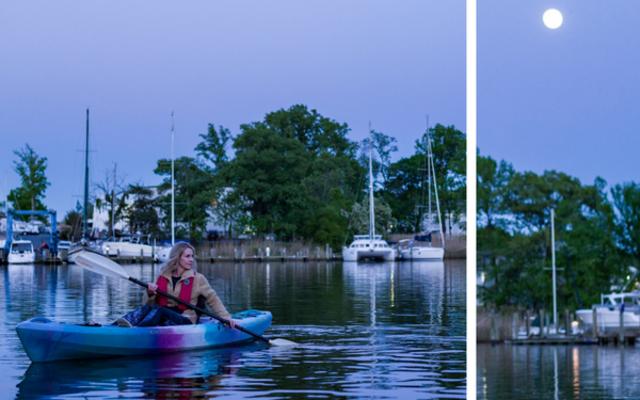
186 258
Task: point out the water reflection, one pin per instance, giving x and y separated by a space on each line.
378 330
191 374
561 372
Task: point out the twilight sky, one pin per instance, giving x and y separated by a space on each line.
564 99
225 62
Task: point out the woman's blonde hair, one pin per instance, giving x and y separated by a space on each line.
174 257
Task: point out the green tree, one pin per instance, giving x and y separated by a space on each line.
213 147
515 254
626 198
318 134
113 198
267 171
72 226
404 192
193 195
383 148
296 175
449 157
492 189
359 218
31 169
141 214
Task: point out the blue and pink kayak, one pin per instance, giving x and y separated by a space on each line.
45 340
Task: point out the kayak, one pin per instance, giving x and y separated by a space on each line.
45 340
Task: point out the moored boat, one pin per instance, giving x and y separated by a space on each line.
365 247
423 249
371 246
129 247
21 252
608 311
409 250
45 340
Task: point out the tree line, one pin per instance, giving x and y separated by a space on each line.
295 174
597 235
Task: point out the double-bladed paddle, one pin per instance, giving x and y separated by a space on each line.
102 265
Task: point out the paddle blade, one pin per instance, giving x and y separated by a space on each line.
282 343
100 264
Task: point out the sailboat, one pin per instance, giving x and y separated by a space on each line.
165 251
411 249
370 246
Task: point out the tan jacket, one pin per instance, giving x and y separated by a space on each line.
201 287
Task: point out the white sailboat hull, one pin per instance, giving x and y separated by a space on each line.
422 253
355 255
127 249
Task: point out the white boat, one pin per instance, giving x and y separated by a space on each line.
162 253
409 250
364 247
21 252
608 311
128 248
371 246
420 250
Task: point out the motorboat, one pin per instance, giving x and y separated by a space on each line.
608 311
21 252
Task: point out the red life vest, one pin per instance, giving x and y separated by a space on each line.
185 292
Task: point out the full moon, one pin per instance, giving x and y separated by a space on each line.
552 18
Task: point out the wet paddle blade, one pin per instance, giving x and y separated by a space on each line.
282 343
100 264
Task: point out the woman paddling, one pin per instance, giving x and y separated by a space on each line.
179 278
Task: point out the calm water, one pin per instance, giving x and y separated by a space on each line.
558 372
374 331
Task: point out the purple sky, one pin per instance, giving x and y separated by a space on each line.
226 62
564 99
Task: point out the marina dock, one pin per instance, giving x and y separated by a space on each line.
515 328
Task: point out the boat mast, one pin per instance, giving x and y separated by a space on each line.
372 217
113 201
86 181
435 187
173 200
429 155
553 269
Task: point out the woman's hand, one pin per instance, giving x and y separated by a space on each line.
231 323
151 289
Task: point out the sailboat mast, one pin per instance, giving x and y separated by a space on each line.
429 156
173 199
372 218
113 201
435 190
86 181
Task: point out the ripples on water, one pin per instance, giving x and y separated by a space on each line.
558 372
375 331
